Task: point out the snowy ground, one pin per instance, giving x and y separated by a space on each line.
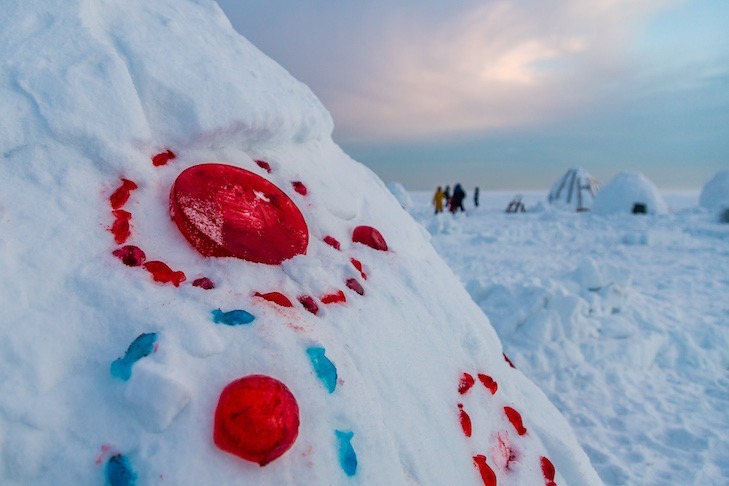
623 321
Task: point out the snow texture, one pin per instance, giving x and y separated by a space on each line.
96 92
624 191
622 322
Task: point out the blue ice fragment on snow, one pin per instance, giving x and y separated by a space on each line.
119 472
232 318
324 368
347 456
140 347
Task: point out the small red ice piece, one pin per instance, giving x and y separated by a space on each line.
367 235
203 283
331 241
163 273
121 195
130 255
308 302
264 165
257 419
334 298
488 382
353 284
466 383
548 471
276 298
515 419
300 188
163 158
120 228
487 474
465 420
226 211
508 360
358 265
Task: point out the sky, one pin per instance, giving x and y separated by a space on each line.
509 94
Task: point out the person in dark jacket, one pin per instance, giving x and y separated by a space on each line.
475 197
447 195
457 199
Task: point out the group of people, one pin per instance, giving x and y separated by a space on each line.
443 198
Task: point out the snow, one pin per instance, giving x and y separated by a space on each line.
624 191
715 194
93 93
401 194
621 321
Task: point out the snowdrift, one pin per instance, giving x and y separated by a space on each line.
200 287
629 192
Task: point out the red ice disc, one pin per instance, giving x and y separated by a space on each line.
257 419
226 211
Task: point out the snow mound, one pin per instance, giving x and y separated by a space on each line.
401 194
140 334
715 194
575 190
626 193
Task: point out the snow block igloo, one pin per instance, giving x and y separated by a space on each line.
715 193
215 330
629 192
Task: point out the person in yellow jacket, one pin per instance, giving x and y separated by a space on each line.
438 198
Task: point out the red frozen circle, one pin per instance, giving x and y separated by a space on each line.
257 419
226 211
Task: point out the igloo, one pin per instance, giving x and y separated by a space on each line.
201 287
575 190
629 192
715 194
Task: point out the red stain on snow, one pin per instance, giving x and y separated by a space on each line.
515 419
358 265
164 274
203 283
308 302
488 476
504 453
466 383
121 195
353 284
488 382
130 255
331 241
334 298
465 420
120 228
369 236
104 449
264 165
275 297
163 158
300 188
548 471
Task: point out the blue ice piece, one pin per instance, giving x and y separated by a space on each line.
119 472
347 456
232 318
323 367
142 346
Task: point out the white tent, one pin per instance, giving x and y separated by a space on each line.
576 189
629 192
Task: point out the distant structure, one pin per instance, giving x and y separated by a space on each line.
629 192
576 189
715 194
